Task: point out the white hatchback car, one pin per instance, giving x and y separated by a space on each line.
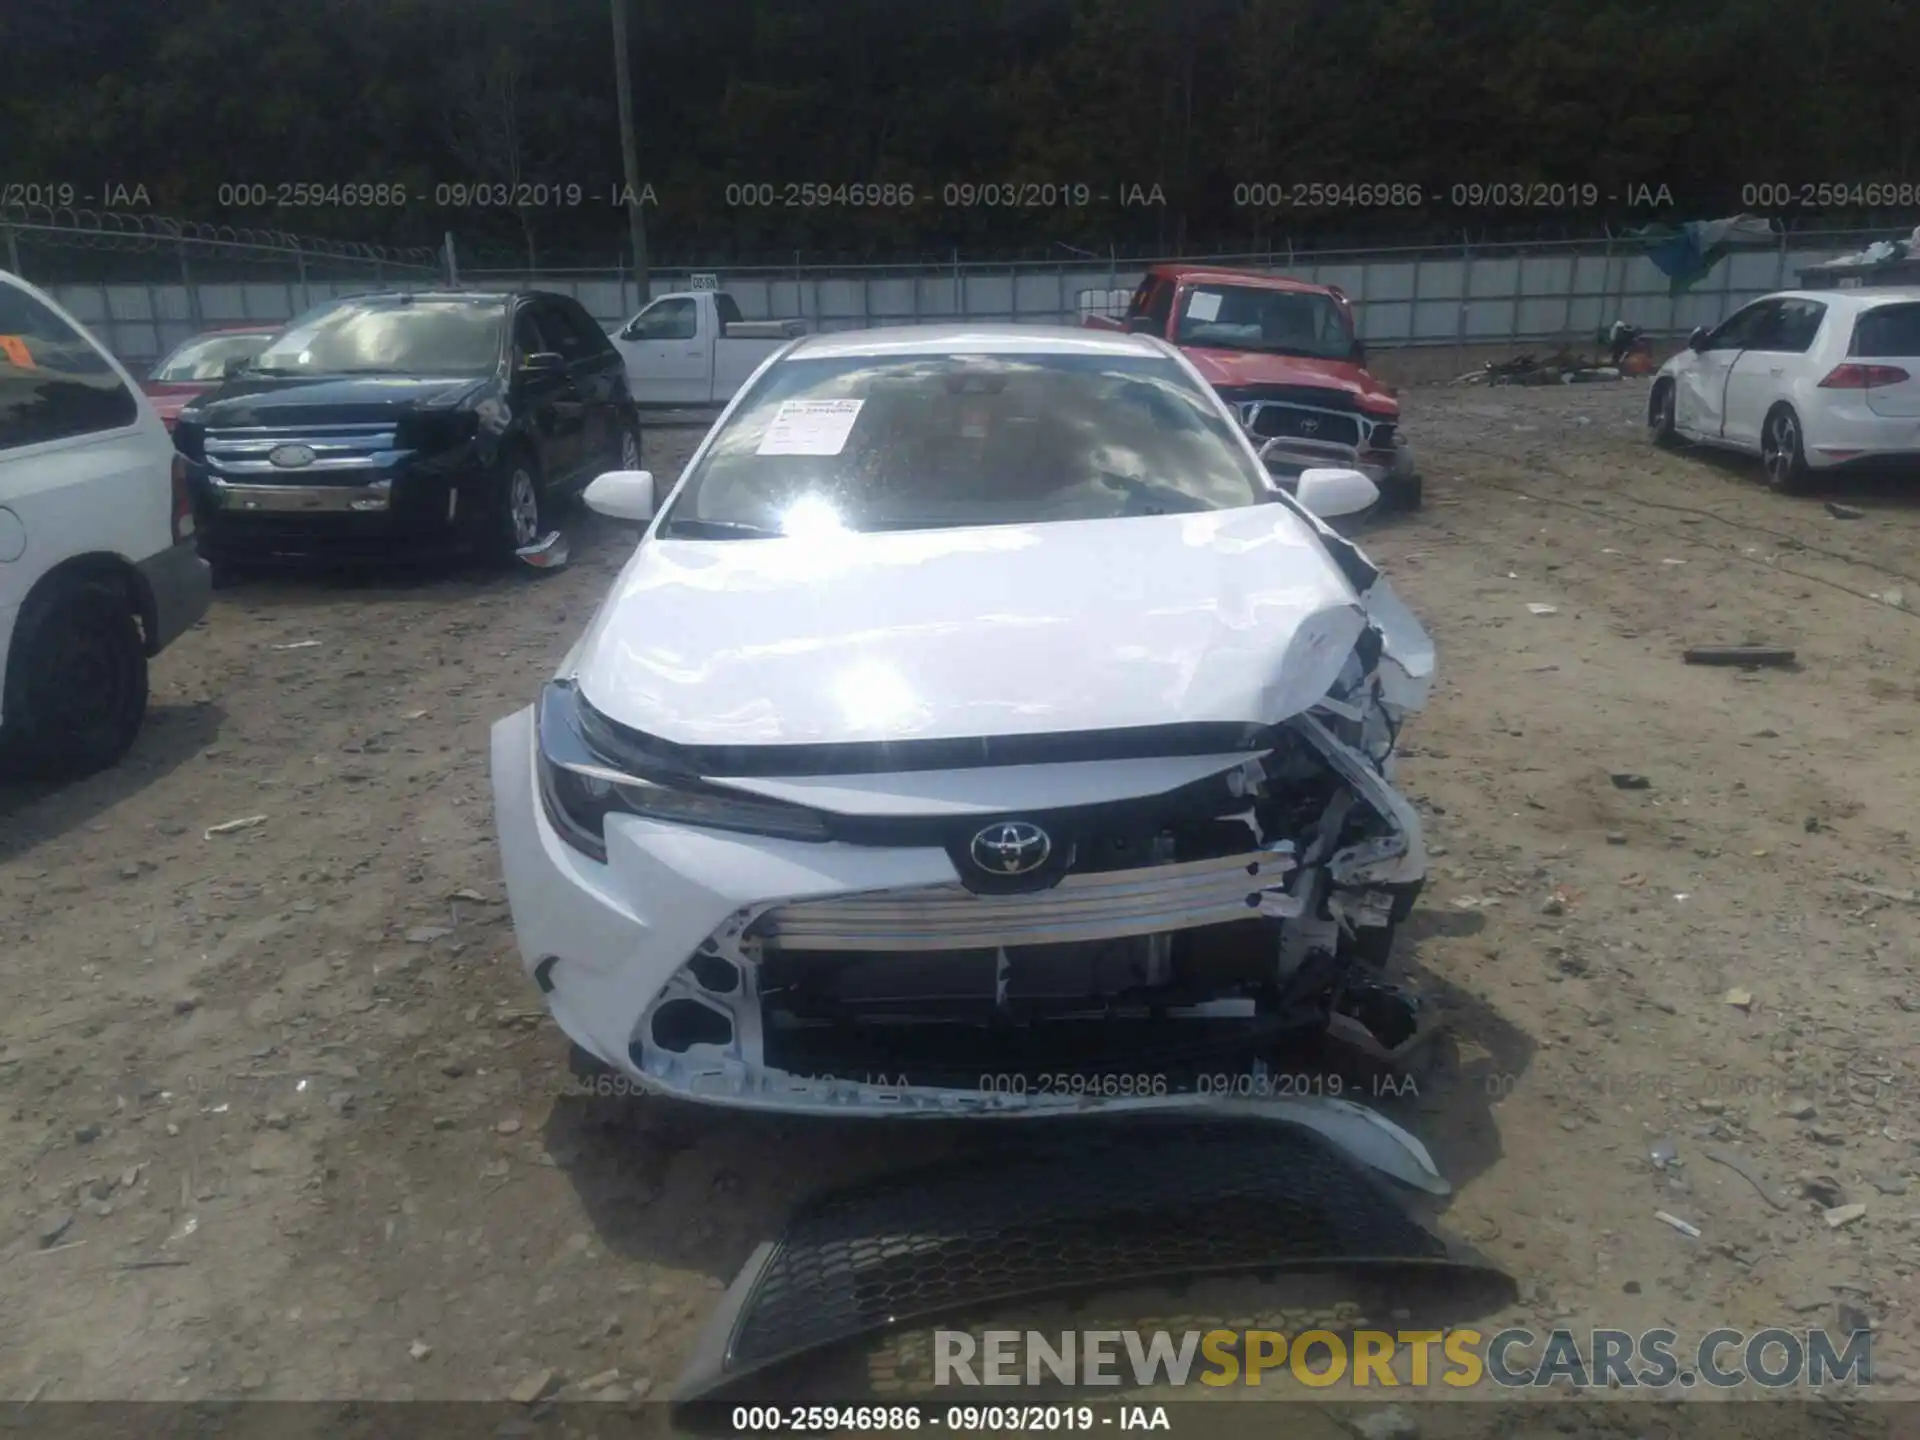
98 570
1808 380
976 730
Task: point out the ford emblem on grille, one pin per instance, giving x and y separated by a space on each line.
1011 847
291 457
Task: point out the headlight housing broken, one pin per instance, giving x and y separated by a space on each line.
580 786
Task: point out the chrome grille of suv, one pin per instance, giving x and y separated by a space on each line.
355 449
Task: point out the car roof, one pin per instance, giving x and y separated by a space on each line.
1853 297
494 297
988 339
1219 275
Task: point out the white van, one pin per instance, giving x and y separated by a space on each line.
98 569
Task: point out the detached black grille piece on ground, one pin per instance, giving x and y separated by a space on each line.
1050 1215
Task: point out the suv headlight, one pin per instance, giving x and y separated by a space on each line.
580 787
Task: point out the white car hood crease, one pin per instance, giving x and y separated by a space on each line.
1235 616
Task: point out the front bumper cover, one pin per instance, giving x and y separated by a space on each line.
1110 1207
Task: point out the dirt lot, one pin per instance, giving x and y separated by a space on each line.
282 1118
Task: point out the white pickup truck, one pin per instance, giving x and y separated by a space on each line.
695 349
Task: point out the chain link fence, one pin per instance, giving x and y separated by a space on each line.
145 283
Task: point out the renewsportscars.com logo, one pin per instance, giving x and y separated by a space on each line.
1774 1358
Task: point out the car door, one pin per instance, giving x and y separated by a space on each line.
549 399
1770 361
602 377
668 361
1701 391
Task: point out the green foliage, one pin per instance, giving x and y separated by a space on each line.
1196 98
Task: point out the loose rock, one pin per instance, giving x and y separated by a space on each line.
534 1388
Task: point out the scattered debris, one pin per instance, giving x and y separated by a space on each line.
228 827
153 1264
1799 1110
1852 1318
1475 902
1677 1223
1616 837
1739 999
419 1350
1844 512
298 645
1905 897
1394 1422
1778 656
1823 1190
53 1226
427 934
1627 780
534 1388
1535 607
600 1381
1744 1169
1663 1153
1844 1215
549 552
509 1126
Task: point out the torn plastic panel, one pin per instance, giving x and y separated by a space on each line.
1041 1215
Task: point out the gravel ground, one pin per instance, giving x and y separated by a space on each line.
282 1118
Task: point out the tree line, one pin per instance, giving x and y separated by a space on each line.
1047 126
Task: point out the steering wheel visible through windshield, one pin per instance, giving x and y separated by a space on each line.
926 441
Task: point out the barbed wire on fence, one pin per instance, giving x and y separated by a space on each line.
140 232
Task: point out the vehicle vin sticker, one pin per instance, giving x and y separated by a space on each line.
810 427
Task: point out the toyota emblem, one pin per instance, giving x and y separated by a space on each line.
1011 847
1309 427
291 457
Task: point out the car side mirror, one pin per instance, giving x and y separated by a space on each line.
1142 325
1330 491
543 362
1698 339
622 495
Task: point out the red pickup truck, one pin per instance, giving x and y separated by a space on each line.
1284 355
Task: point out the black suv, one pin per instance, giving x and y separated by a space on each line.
408 424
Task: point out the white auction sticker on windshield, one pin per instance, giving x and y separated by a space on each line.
1203 305
810 427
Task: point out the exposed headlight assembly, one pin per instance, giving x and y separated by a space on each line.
580 787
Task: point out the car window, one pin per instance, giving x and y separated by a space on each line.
1799 324
1743 327
557 330
928 441
391 335
53 383
1160 305
592 339
529 335
674 319
204 358
1887 332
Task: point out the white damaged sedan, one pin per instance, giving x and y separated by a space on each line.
975 730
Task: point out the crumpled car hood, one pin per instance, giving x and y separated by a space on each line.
1232 616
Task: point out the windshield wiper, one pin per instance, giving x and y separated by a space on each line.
717 530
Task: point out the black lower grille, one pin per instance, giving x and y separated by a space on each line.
1113 1205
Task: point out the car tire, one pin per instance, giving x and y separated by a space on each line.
629 447
76 682
517 507
1399 493
1660 426
1782 455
